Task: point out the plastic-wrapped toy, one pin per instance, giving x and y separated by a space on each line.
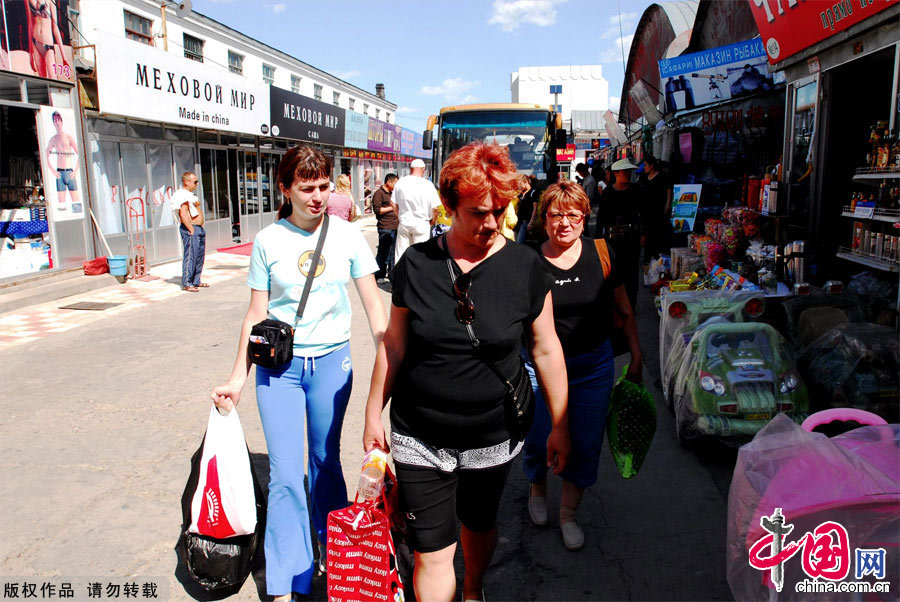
712 228
715 255
855 365
732 379
790 479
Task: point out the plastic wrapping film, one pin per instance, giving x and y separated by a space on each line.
808 317
723 374
855 365
852 479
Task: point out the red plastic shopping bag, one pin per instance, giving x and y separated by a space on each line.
224 501
362 562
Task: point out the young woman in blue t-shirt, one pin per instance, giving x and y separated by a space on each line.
314 388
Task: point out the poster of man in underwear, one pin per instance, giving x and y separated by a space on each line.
60 163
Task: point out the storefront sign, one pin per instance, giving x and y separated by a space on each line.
36 40
684 209
714 75
407 141
567 154
383 136
418 151
373 155
302 118
60 151
135 80
789 26
356 130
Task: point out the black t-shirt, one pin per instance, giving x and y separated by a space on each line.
443 394
654 201
619 207
526 207
583 301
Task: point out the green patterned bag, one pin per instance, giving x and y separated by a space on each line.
630 425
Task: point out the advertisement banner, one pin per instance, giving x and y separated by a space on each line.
789 27
407 141
567 154
303 118
383 136
727 72
135 80
684 208
356 130
59 148
36 39
418 151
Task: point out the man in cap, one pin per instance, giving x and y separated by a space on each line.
416 199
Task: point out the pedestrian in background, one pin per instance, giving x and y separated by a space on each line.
588 184
619 222
416 199
449 442
311 391
193 235
340 203
528 196
584 301
387 221
656 209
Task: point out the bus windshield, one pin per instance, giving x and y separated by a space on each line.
525 133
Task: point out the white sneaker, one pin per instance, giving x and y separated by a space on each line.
573 536
537 509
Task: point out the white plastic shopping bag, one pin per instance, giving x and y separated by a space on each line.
224 503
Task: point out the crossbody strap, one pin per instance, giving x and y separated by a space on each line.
603 253
476 344
313 268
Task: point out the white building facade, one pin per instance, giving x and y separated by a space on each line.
583 87
194 95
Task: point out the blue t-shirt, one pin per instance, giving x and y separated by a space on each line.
280 261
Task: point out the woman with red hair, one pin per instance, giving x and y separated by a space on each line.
461 304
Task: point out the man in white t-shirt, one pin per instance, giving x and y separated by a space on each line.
416 200
193 237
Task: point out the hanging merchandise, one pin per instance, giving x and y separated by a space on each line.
631 425
223 508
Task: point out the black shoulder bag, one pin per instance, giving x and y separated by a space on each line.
272 341
518 403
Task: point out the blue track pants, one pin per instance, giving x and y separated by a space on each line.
314 392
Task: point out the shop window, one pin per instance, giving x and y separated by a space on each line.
365 108
193 48
10 88
295 84
107 127
229 139
144 130
107 184
268 73
138 28
377 113
235 62
351 103
336 99
162 185
175 133
387 117
38 93
317 91
185 160
134 168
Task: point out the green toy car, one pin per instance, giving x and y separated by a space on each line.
733 379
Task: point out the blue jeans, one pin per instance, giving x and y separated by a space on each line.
194 254
590 385
313 392
385 254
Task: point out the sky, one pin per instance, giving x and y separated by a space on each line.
429 53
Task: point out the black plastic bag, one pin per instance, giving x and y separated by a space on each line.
218 565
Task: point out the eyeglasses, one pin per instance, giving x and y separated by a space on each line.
465 308
574 217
